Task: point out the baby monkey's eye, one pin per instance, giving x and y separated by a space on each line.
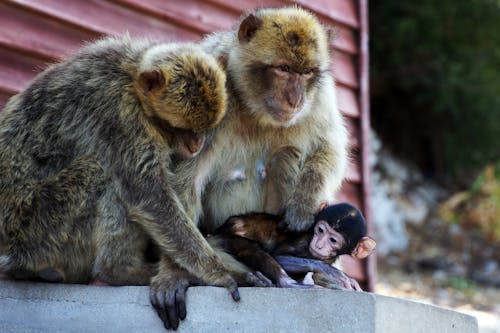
333 240
284 68
321 230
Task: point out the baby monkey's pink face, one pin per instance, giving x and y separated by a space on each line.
326 242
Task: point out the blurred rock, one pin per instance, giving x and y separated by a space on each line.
400 195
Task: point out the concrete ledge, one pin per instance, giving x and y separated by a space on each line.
39 307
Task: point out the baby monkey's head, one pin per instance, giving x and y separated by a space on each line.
340 229
182 85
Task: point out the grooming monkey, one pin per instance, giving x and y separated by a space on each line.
255 239
282 146
85 167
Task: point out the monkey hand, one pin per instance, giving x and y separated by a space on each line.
224 279
335 279
168 295
249 279
298 217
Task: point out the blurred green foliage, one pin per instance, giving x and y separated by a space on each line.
435 81
462 284
477 209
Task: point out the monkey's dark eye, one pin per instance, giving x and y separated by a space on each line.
320 230
308 71
333 240
284 68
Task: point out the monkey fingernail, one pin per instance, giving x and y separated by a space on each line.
235 294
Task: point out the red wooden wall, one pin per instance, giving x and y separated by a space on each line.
36 32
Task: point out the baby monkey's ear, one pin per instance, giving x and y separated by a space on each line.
364 248
151 81
323 205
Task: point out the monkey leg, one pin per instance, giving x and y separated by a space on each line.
44 234
121 245
226 247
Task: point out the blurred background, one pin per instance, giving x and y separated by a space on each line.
435 114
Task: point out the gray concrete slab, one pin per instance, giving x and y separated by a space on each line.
39 307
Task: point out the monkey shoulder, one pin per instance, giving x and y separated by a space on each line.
219 43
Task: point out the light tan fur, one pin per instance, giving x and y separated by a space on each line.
304 157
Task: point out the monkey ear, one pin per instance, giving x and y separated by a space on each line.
238 226
364 248
223 60
248 27
323 205
151 80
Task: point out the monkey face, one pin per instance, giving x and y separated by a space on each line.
281 55
326 242
286 99
186 143
186 89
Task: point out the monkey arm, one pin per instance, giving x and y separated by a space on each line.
163 217
147 188
251 254
282 174
314 184
324 274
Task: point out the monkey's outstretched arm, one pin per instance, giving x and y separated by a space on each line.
313 186
326 275
163 217
282 174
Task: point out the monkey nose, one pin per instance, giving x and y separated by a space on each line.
294 100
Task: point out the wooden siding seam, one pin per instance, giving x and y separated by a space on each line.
53 15
165 16
364 100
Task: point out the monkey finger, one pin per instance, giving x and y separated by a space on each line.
171 309
235 294
180 300
157 300
256 279
264 281
347 284
355 285
228 282
233 289
336 283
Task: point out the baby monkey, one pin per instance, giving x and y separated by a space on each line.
257 241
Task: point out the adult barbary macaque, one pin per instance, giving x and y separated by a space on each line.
85 166
255 239
282 146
